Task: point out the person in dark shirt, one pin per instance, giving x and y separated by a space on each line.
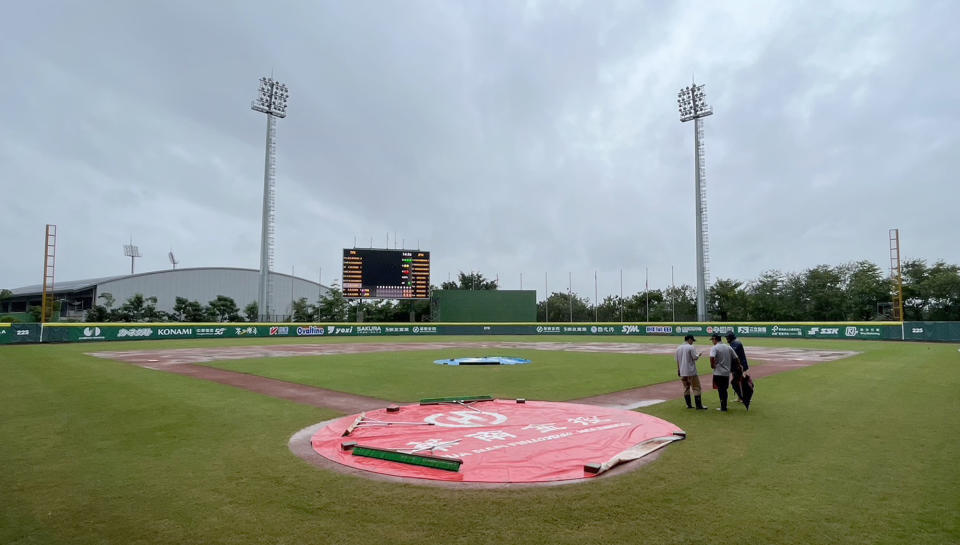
738 371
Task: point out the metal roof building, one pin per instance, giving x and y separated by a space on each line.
201 284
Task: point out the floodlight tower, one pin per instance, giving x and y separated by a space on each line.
693 105
271 100
132 252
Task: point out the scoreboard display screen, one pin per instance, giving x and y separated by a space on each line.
386 274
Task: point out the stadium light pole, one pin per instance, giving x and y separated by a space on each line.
271 100
546 299
132 252
692 103
621 295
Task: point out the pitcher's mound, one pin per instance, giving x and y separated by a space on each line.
493 440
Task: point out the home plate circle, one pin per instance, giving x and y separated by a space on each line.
493 441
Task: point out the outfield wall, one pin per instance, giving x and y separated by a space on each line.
90 332
484 306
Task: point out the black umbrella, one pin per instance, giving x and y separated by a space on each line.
746 389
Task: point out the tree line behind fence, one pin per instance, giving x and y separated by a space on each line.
856 291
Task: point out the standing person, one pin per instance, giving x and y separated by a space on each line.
737 374
687 371
722 360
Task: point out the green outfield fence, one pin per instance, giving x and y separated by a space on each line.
93 332
484 306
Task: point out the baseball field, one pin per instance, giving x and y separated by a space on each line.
99 448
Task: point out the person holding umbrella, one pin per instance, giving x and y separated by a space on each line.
737 372
722 360
686 357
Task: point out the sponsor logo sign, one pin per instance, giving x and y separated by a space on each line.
629 329
310 331
174 331
91 333
369 330
659 329
574 329
390 329
211 331
134 332
338 330
429 329
466 419
20 332
752 330
823 332
280 330
854 331
689 329
245 331
786 331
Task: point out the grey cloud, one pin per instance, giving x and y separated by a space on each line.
505 137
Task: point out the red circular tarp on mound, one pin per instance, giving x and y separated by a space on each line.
498 441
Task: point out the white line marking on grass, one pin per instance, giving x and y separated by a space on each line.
638 404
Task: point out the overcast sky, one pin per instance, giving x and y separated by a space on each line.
505 137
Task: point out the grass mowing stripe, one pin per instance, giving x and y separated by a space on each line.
411 376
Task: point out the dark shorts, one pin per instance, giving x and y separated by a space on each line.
720 382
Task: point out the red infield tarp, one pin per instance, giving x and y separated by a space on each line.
499 441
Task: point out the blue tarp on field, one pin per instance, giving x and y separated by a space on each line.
485 360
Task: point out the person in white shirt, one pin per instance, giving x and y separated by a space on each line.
687 357
722 359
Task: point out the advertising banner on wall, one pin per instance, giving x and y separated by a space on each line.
131 332
19 333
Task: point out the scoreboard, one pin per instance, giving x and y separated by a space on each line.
386 274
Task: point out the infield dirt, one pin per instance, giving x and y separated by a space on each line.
183 361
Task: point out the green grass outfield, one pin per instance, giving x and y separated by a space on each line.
860 450
411 376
